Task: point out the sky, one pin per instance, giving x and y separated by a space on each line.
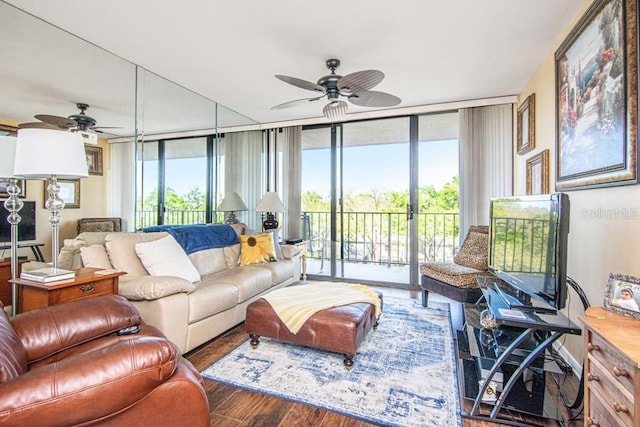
382 167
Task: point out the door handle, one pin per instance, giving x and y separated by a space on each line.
409 212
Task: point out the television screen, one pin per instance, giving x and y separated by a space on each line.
528 247
26 226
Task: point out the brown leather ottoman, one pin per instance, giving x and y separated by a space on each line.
339 329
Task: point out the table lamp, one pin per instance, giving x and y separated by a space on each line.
13 205
270 203
232 203
50 154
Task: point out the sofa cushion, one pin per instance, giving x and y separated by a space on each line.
165 257
232 255
257 248
249 281
280 271
209 261
13 356
139 288
122 252
95 256
211 297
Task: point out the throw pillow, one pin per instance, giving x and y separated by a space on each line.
257 248
165 257
95 256
474 251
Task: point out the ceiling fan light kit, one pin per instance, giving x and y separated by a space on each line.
355 87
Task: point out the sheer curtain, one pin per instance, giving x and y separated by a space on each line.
289 143
123 174
243 171
486 161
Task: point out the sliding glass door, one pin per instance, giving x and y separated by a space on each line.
380 197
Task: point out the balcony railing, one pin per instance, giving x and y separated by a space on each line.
380 238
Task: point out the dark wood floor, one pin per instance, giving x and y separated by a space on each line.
232 406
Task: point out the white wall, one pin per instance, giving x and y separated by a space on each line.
605 222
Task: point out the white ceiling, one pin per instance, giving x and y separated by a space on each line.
432 51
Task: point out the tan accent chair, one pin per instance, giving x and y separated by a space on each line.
111 225
457 280
68 365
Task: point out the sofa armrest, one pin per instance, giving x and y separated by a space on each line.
53 329
290 251
90 386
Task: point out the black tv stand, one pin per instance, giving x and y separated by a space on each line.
521 302
511 354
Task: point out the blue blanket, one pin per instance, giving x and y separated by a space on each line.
198 237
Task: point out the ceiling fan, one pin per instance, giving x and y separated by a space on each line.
355 87
80 122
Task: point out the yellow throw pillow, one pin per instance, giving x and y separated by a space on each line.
257 248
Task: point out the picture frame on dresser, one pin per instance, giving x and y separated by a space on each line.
622 295
596 99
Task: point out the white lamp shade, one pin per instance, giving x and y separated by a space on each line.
232 203
43 153
8 150
270 202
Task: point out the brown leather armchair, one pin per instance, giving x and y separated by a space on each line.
67 365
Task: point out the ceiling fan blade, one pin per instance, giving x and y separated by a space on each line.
62 122
304 84
372 98
360 81
295 103
38 125
335 110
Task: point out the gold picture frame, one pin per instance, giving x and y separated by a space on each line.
622 295
4 184
94 159
69 192
538 173
597 99
527 125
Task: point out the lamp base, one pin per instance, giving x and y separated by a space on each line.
231 219
270 223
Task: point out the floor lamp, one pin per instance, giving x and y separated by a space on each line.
13 205
50 154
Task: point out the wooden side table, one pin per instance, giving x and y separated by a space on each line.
86 284
6 294
303 257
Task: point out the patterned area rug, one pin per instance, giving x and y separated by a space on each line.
404 374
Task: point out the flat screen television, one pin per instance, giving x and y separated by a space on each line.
26 226
528 250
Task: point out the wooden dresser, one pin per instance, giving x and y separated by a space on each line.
612 369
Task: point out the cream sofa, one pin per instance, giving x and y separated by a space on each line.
188 311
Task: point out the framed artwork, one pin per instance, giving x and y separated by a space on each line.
538 173
4 184
94 159
526 125
69 193
596 99
623 295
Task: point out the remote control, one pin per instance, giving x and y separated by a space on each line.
128 331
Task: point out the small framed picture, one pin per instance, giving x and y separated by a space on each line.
538 173
623 295
69 193
94 159
4 184
527 125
